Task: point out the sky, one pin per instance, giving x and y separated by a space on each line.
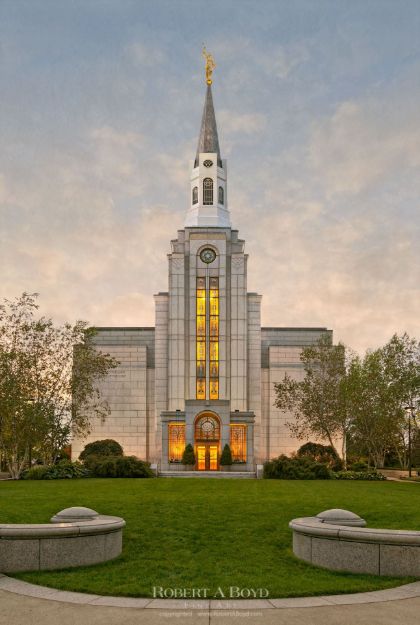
318 111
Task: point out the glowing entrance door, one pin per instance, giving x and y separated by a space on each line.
207 457
207 437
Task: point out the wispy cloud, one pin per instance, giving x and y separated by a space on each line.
364 143
318 113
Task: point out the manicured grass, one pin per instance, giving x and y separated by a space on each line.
198 533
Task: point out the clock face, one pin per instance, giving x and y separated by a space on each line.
207 255
208 163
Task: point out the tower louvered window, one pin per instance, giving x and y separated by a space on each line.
195 195
221 195
207 191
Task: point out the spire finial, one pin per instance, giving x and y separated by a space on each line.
210 65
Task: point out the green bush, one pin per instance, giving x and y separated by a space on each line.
358 466
226 457
60 471
188 457
284 468
321 471
359 475
35 473
106 447
119 466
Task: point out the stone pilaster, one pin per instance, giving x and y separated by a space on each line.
254 369
161 366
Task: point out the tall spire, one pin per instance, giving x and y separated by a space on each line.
208 140
208 207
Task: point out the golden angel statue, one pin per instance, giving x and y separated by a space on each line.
210 65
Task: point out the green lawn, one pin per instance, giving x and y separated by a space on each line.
210 533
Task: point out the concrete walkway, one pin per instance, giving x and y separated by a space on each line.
27 604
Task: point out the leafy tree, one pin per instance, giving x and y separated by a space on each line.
379 386
318 402
401 363
48 382
375 424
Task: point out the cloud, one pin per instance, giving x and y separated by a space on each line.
241 123
280 62
364 143
141 54
323 133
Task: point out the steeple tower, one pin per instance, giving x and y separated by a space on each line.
208 141
208 199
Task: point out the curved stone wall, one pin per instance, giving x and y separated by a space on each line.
337 540
75 537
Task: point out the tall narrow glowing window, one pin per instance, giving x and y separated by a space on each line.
201 338
176 441
238 442
214 338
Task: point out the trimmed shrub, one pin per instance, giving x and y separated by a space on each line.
106 447
371 476
284 468
119 466
188 457
60 471
226 457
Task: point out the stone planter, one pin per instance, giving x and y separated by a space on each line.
226 467
74 537
338 540
188 467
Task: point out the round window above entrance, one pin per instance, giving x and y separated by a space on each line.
207 255
207 428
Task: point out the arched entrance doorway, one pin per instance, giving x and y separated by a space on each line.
207 442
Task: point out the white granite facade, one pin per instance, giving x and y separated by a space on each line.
155 386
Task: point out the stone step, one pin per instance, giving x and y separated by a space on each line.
212 474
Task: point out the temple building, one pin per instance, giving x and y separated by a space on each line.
205 373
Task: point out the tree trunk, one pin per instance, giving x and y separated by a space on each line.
344 451
16 465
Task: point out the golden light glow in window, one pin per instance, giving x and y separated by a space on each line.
176 441
207 337
214 389
214 337
238 442
201 388
214 350
201 338
201 349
